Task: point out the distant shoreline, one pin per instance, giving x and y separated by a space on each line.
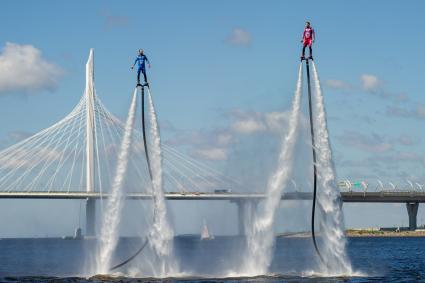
350 233
378 233
363 233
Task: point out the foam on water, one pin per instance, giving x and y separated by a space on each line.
260 241
112 214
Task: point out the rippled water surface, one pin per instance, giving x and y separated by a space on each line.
58 260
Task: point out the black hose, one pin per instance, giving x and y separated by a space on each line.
132 257
144 133
313 146
150 175
145 143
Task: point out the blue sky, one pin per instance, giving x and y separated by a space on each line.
215 63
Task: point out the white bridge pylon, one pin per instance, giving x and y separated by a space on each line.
78 154
90 123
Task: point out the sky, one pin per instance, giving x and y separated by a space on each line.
221 73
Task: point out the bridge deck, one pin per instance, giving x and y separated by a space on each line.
384 196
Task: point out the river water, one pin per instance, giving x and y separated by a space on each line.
58 260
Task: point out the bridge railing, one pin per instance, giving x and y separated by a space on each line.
380 186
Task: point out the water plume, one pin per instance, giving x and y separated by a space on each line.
112 214
161 234
331 222
260 240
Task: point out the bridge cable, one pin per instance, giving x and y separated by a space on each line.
313 146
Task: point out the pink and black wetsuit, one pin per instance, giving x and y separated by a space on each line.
308 36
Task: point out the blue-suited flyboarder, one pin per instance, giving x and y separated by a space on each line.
140 60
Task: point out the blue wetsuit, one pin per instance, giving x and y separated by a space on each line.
140 60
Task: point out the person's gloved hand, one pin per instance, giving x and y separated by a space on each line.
132 67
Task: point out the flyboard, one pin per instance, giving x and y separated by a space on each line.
145 242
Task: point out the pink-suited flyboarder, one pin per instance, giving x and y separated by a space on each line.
308 38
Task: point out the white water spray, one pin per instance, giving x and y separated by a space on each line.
328 196
161 234
109 233
261 239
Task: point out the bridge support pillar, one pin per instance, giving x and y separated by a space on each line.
90 216
246 211
412 211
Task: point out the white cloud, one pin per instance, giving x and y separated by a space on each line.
369 143
17 136
22 68
277 121
224 139
240 37
213 153
248 126
398 157
337 84
417 112
374 85
217 144
24 158
250 122
370 82
377 148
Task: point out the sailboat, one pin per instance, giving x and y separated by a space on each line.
205 234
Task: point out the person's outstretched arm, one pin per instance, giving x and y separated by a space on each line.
313 35
147 60
135 61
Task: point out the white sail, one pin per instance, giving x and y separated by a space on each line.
205 234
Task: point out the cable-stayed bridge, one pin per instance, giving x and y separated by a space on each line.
76 157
